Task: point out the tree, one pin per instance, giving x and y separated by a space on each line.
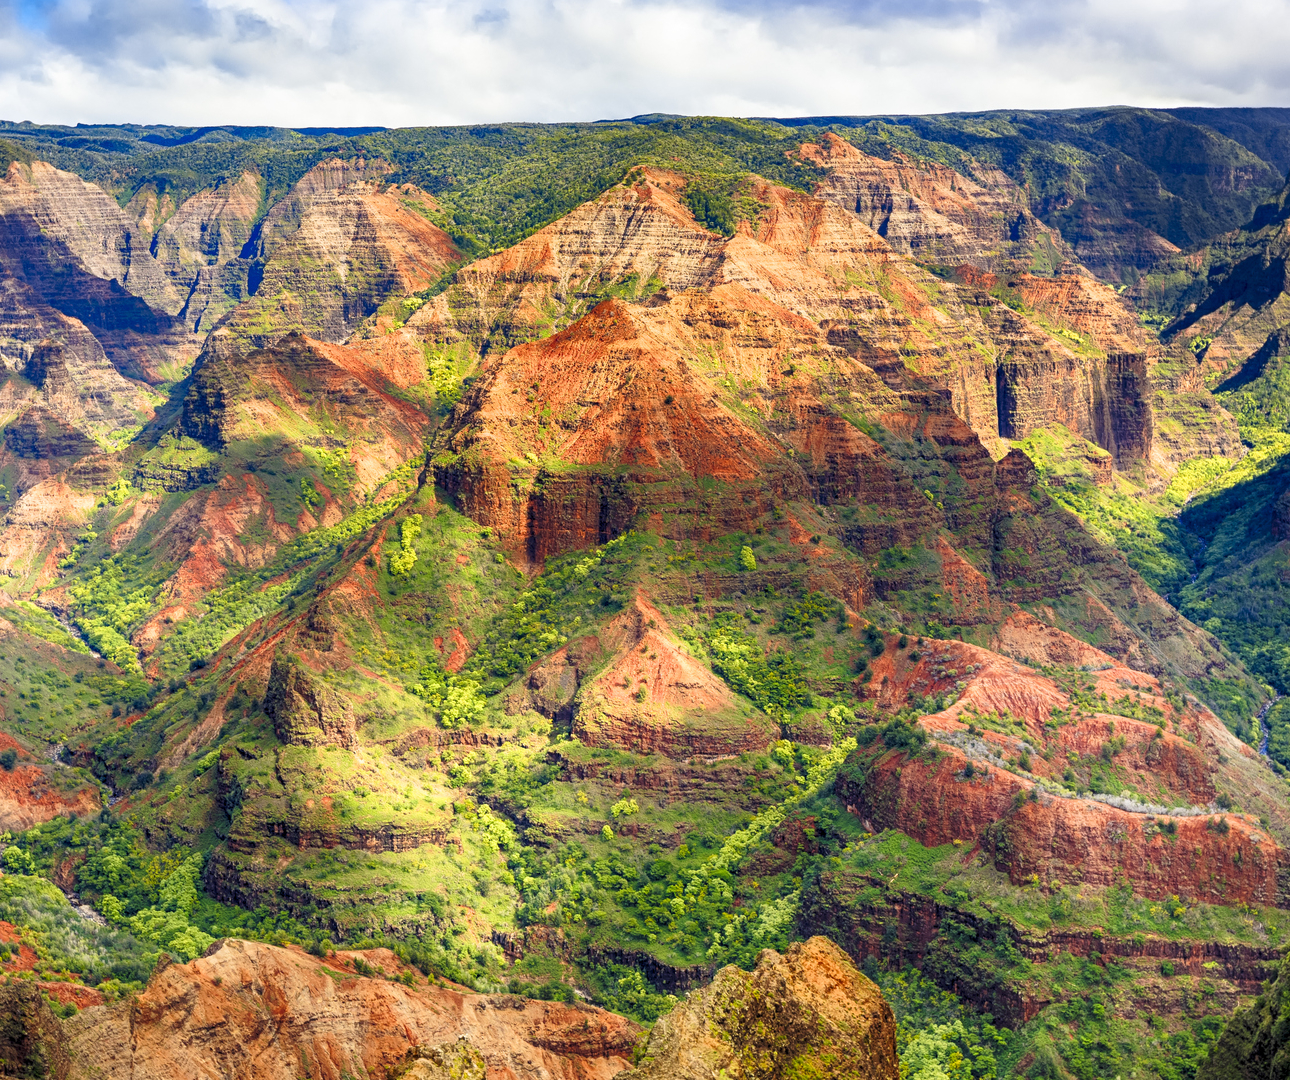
17 861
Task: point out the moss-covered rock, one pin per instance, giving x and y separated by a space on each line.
305 712
806 1014
32 1043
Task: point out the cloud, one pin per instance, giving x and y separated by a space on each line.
405 62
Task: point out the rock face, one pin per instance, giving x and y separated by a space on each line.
328 254
29 795
71 248
786 319
631 414
226 401
1254 1045
1235 315
974 790
304 711
808 1012
1100 388
816 259
63 367
257 1012
929 211
634 240
32 1042
201 248
901 926
54 218
451 1061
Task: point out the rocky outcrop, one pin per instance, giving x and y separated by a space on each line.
55 222
655 697
1254 1046
253 1010
982 786
31 794
450 1061
872 918
62 367
1066 352
304 711
637 238
718 402
613 397
41 435
808 1012
271 393
201 248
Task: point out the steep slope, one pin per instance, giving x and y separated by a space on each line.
617 609
563 442
1231 325
979 337
934 214
75 250
53 361
201 244
1124 185
636 239
1234 307
1253 1045
340 242
251 1009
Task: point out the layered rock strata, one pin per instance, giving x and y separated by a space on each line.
1010 793
327 255
931 212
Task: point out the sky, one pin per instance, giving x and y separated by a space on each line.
396 63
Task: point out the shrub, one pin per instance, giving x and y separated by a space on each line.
403 560
17 861
8 759
774 683
747 560
462 704
624 808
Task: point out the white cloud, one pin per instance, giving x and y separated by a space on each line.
405 62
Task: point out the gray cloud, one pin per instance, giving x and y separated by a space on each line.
399 62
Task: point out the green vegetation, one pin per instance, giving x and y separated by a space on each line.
440 805
566 596
1120 514
65 943
1164 169
774 683
402 561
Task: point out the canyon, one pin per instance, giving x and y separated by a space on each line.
408 637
